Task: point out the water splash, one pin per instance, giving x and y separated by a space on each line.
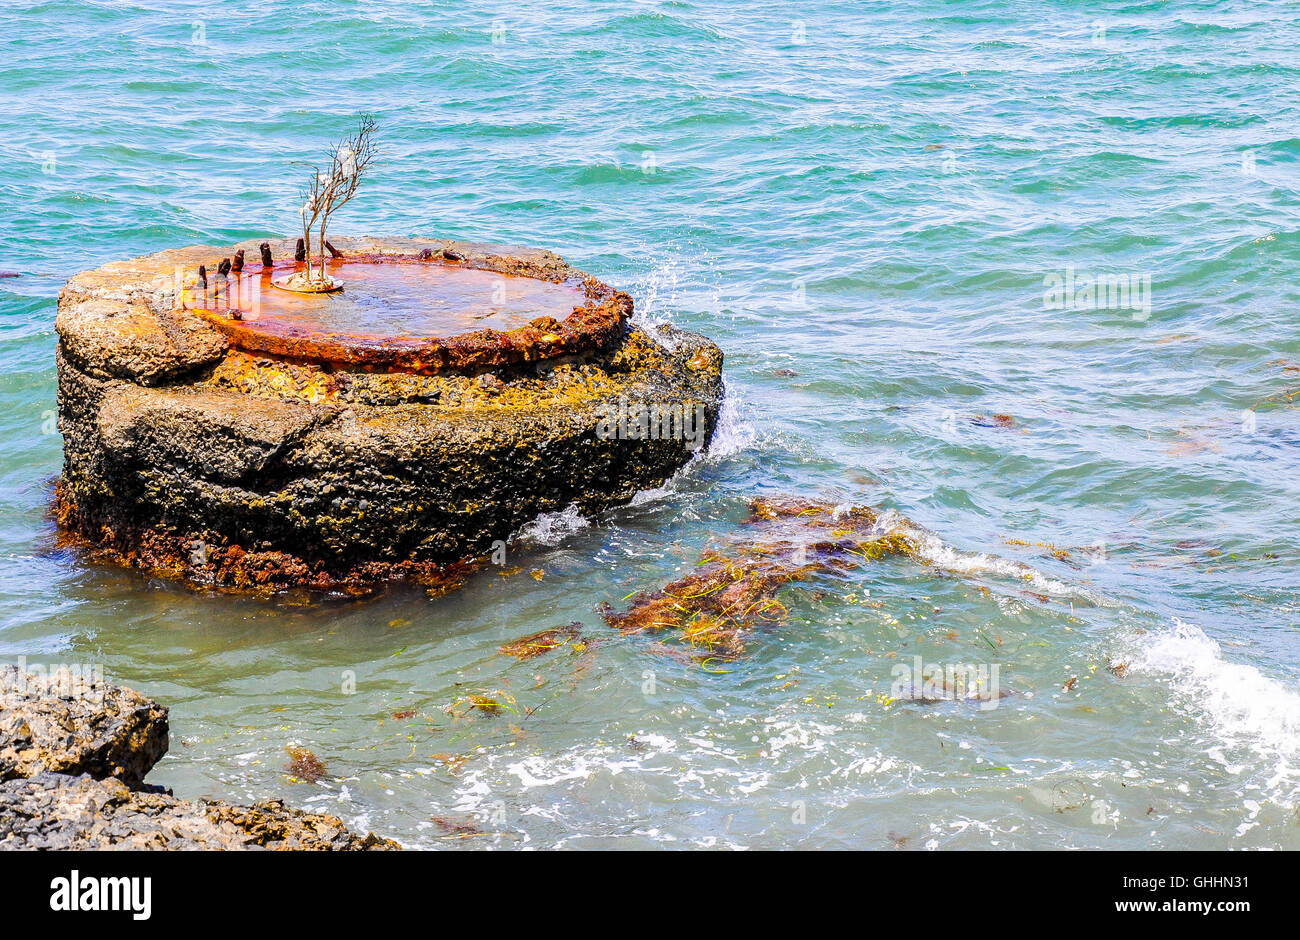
552 528
1248 711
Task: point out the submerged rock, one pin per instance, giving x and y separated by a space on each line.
735 585
73 755
300 450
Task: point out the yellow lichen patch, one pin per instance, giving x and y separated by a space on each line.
268 378
566 386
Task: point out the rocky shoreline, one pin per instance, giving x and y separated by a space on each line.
74 752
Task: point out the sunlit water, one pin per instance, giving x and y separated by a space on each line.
877 211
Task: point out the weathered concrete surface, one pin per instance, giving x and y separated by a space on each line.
593 316
125 319
73 755
69 724
129 339
226 468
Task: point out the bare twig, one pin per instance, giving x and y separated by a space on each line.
352 157
326 192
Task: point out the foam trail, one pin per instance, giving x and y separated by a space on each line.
936 552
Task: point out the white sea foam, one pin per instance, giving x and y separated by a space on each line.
552 528
656 291
1247 710
735 431
644 497
733 434
935 551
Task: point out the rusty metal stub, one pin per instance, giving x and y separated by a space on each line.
407 313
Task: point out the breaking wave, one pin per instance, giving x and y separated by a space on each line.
939 554
1245 709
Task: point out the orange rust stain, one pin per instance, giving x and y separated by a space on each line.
258 317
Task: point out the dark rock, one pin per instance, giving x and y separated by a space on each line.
54 811
72 724
172 436
73 754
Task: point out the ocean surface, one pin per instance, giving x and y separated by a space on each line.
892 217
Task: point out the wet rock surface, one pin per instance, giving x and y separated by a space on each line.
54 811
73 755
231 468
69 724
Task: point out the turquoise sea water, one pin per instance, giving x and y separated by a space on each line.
867 205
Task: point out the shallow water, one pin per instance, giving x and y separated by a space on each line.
877 211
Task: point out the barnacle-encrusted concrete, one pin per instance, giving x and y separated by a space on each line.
267 468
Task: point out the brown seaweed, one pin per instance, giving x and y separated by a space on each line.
304 765
734 589
542 642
